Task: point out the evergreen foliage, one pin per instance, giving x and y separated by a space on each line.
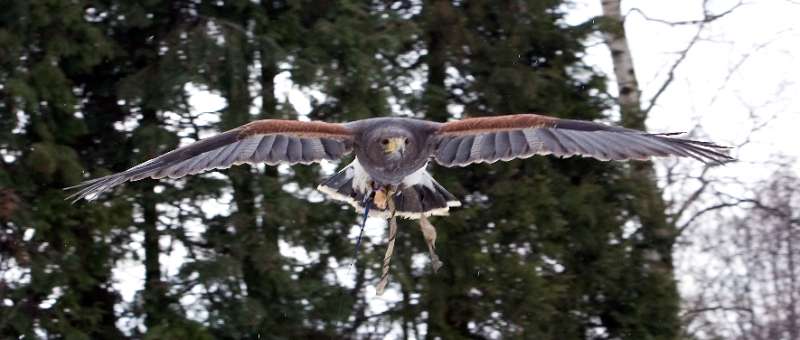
543 247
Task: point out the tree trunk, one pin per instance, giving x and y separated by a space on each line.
260 256
96 296
622 58
436 59
654 248
155 295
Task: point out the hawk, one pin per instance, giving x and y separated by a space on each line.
388 173
391 154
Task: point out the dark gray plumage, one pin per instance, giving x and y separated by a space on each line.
393 152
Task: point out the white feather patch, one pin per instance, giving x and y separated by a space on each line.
361 178
419 177
361 184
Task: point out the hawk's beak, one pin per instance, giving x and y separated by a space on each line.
394 145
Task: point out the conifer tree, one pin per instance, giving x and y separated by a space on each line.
539 249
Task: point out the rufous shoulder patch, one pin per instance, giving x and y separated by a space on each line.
496 123
313 129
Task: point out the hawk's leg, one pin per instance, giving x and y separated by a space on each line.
429 232
387 258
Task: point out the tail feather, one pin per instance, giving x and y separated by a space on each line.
417 197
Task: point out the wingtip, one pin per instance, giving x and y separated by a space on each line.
94 187
724 161
705 152
78 195
668 133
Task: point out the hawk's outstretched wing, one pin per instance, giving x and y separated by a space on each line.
264 141
489 139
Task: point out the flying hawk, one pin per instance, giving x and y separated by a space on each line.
391 154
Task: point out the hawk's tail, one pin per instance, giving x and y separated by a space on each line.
420 194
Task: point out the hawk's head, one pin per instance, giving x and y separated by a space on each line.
391 145
394 147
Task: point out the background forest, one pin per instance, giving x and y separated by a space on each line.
543 248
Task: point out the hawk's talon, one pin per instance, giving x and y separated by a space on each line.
380 199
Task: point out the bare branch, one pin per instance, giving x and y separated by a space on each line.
707 17
744 58
717 308
671 74
694 196
701 23
707 210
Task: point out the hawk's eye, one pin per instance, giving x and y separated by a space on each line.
385 141
408 141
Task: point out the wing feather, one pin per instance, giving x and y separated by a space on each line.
607 149
270 141
464 149
179 169
228 156
219 160
570 148
449 148
534 142
518 143
488 139
294 150
263 149
487 147
312 149
333 148
278 149
649 146
551 142
502 145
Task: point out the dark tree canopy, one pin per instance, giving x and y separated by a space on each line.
542 248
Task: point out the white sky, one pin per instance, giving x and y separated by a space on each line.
743 73
759 42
